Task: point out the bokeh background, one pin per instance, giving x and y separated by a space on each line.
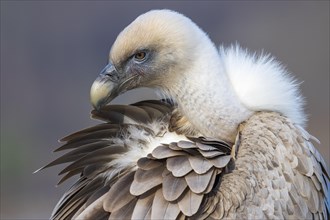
51 51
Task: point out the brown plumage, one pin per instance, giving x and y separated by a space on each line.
215 149
197 178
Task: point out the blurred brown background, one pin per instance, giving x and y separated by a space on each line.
51 51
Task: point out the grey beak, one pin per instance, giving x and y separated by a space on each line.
105 87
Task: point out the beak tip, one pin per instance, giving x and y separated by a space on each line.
99 93
97 102
96 106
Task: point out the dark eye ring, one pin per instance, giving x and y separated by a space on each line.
140 56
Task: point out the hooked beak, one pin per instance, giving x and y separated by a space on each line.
106 87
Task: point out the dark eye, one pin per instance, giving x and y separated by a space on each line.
140 56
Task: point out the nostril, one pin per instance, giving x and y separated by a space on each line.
112 77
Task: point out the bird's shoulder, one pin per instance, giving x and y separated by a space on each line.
290 174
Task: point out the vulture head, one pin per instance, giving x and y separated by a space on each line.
165 50
156 50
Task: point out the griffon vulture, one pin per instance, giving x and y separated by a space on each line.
226 142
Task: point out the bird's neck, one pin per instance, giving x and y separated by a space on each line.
207 99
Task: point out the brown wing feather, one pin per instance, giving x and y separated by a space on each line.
162 209
173 187
179 166
145 180
142 209
118 195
